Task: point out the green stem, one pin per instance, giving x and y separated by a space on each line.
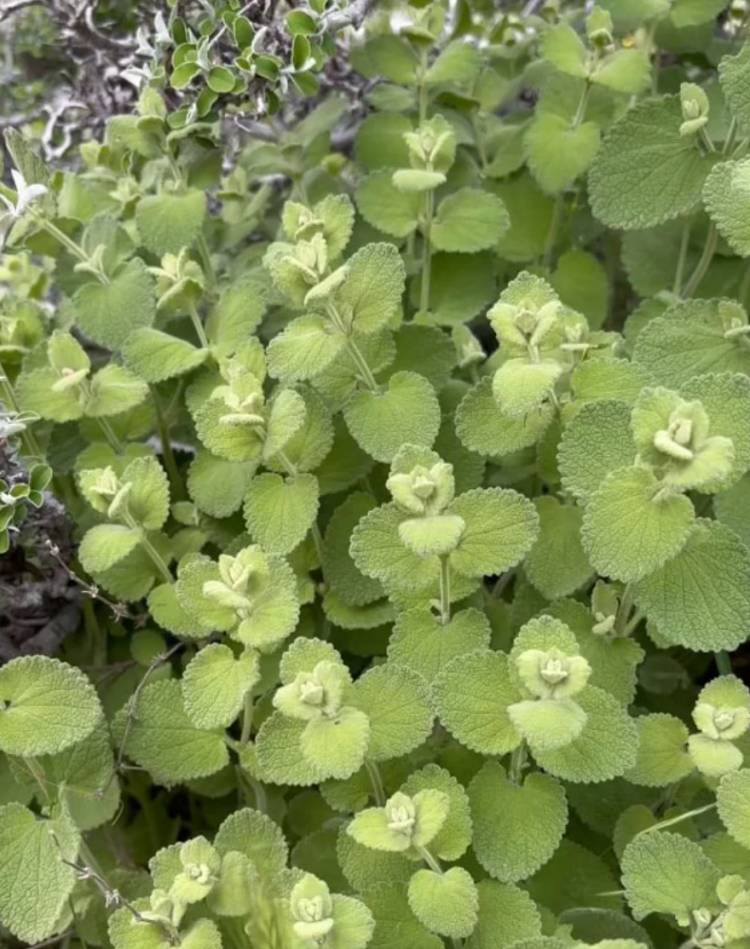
68 243
445 589
156 558
680 270
422 87
354 351
248 708
731 137
624 609
424 291
170 462
376 781
517 763
723 662
554 226
709 249
208 267
112 440
744 288
198 326
677 820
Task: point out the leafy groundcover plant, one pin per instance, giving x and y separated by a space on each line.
407 452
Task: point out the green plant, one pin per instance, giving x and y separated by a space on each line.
409 462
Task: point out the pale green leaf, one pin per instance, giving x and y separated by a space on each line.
217 486
426 646
472 696
341 573
110 312
34 883
371 294
500 528
605 749
280 511
557 564
594 443
691 339
385 207
215 683
701 598
156 356
47 706
645 172
397 703
726 195
665 872
164 741
517 827
469 220
662 756
168 222
305 348
557 151
507 915
734 76
445 903
629 530
406 411
106 544
483 428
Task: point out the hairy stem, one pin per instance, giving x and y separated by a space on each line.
424 290
198 326
709 249
445 589
109 433
170 462
679 274
723 662
376 781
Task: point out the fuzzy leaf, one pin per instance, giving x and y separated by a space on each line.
169 222
484 428
628 533
734 76
396 702
605 749
454 836
733 800
517 827
469 220
217 486
34 882
306 347
215 683
500 528
445 903
472 696
105 545
341 573
164 741
148 500
406 411
426 646
156 356
726 195
109 313
337 745
666 873
48 706
557 564
371 294
691 339
662 757
280 511
645 172
507 915
558 152
385 207
701 598
594 443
